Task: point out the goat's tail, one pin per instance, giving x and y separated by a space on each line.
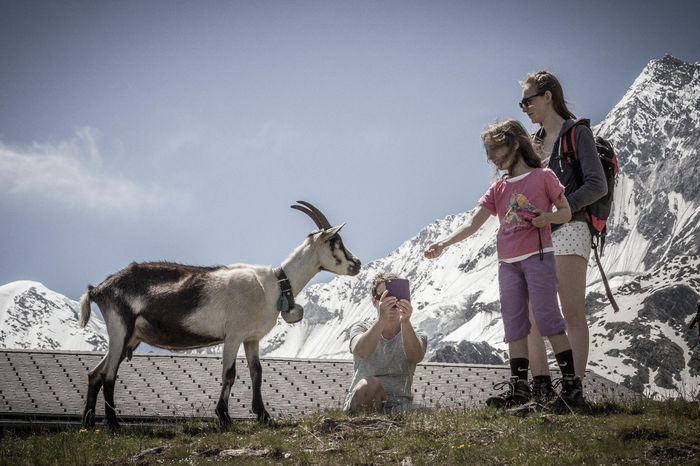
85 310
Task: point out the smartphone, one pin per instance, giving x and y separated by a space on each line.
398 288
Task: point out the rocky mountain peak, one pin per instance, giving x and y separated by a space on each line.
34 317
671 71
658 118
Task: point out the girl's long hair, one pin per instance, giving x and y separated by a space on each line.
506 134
546 81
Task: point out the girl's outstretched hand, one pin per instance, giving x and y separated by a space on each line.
433 251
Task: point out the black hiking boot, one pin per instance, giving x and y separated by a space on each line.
517 393
542 390
571 394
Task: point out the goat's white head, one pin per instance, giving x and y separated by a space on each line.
332 254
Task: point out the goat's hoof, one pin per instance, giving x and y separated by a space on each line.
222 414
264 417
114 425
88 420
225 422
224 419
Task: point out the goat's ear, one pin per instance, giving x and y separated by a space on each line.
331 232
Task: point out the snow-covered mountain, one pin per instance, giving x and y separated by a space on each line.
651 259
34 317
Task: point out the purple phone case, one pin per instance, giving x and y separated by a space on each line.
399 288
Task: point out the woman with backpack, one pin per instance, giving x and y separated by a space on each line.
584 182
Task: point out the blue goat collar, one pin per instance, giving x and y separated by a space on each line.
285 303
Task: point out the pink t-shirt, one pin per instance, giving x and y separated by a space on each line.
515 200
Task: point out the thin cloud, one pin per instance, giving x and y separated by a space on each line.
274 137
72 173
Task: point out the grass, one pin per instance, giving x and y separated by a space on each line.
637 432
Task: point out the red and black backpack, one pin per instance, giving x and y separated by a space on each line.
597 213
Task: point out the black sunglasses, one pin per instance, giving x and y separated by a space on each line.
526 100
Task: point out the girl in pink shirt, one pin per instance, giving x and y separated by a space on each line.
523 200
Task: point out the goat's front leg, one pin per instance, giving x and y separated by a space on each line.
252 355
228 377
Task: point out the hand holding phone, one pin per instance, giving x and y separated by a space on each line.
398 288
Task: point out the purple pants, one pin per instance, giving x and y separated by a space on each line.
531 280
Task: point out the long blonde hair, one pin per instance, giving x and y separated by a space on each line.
509 133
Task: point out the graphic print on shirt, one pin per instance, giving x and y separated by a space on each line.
519 214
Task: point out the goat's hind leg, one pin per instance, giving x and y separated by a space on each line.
108 391
252 354
95 380
119 334
228 377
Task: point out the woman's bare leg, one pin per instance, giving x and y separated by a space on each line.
368 395
571 271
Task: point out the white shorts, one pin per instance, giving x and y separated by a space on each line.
573 238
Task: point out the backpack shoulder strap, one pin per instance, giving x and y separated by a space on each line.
571 136
568 141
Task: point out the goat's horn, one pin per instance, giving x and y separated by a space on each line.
320 219
310 213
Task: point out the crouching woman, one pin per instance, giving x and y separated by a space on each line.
385 352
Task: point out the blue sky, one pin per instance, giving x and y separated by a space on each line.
182 131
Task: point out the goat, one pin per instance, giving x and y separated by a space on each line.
177 306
